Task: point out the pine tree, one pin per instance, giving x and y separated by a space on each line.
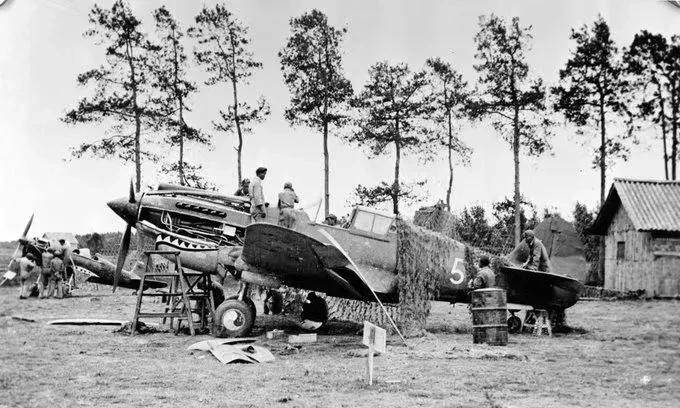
392 108
224 50
449 95
171 80
515 102
121 90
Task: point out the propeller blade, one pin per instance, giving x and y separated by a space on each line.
122 254
23 236
28 226
131 198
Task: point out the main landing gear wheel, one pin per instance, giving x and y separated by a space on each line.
314 313
234 318
250 304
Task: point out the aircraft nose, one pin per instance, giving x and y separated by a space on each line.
124 209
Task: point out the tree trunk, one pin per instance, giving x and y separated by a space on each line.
237 118
664 132
674 126
326 190
450 147
239 153
180 100
396 186
138 156
138 121
603 185
180 164
515 153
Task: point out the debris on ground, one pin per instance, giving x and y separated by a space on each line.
23 319
274 334
141 329
289 349
302 338
238 350
360 353
88 322
207 345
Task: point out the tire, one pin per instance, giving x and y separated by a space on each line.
233 318
249 302
312 319
514 324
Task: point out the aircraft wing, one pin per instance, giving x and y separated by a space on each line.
300 261
541 290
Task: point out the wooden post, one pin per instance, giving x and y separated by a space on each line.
375 338
369 365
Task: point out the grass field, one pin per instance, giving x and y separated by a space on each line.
629 357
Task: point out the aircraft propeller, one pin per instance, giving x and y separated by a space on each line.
23 238
125 243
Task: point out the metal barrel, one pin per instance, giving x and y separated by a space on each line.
489 317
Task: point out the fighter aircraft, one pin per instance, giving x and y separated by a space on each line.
213 234
100 270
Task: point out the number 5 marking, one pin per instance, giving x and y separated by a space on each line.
457 276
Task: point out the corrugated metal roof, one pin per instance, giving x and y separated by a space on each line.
651 205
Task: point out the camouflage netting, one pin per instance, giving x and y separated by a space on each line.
437 218
422 257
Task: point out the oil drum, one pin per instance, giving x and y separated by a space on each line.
489 317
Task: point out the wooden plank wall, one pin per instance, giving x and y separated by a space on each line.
636 270
652 264
667 265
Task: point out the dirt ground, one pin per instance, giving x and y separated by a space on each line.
628 357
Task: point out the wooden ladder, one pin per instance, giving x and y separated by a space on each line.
178 298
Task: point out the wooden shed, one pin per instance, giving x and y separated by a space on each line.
640 220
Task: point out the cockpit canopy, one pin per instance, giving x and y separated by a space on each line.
372 221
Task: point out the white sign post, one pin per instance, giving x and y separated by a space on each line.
375 338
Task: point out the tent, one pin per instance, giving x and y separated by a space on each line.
564 247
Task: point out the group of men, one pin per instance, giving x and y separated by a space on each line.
55 270
286 204
537 260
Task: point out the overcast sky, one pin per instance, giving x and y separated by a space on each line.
43 50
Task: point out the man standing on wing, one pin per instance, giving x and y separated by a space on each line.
287 200
256 194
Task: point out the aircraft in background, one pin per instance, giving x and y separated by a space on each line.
213 234
95 269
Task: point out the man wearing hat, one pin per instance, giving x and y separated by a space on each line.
287 200
538 257
243 189
485 277
256 194
331 220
